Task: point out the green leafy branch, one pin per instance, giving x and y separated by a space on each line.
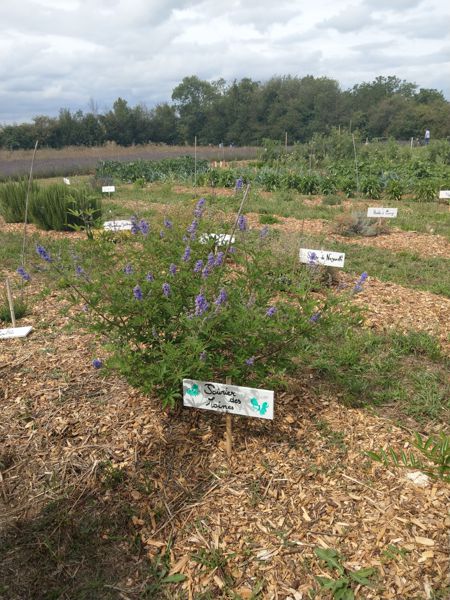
435 450
341 588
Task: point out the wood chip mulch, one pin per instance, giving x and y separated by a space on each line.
295 484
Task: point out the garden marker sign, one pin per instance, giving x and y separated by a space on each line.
444 195
122 225
66 180
322 257
108 188
382 213
14 332
229 399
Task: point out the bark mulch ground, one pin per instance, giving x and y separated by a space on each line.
295 484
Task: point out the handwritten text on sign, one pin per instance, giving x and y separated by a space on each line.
122 225
322 257
232 399
382 213
108 188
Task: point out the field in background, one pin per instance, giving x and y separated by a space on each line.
80 160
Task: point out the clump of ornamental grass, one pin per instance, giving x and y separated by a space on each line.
63 208
13 196
172 307
357 224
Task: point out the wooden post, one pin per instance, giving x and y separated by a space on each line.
10 302
195 161
229 432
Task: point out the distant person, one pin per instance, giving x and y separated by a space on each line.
427 137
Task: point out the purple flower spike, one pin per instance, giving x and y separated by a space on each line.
363 277
168 223
315 317
150 277
173 269
25 276
271 311
202 356
219 259
192 229
97 363
221 298
137 292
199 208
128 269
43 253
166 289
231 250
134 225
206 272
239 183
144 227
198 266
187 254
201 305
211 259
250 361
79 270
242 223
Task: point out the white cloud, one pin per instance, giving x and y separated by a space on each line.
62 53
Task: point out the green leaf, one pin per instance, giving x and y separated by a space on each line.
362 575
331 557
175 578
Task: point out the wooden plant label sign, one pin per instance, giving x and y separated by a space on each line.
121 225
444 194
322 257
232 399
220 239
108 188
382 213
14 332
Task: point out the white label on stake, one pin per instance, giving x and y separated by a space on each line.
382 213
444 194
14 332
66 180
121 225
322 257
108 188
221 239
232 399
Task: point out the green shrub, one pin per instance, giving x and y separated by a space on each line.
172 308
425 190
371 187
268 219
395 189
13 198
63 208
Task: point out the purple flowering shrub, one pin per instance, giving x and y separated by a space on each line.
172 307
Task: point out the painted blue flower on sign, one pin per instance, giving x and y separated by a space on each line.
262 409
193 391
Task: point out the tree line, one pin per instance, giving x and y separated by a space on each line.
245 112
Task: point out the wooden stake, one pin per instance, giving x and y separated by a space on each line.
10 302
229 431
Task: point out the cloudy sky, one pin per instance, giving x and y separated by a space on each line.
71 53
